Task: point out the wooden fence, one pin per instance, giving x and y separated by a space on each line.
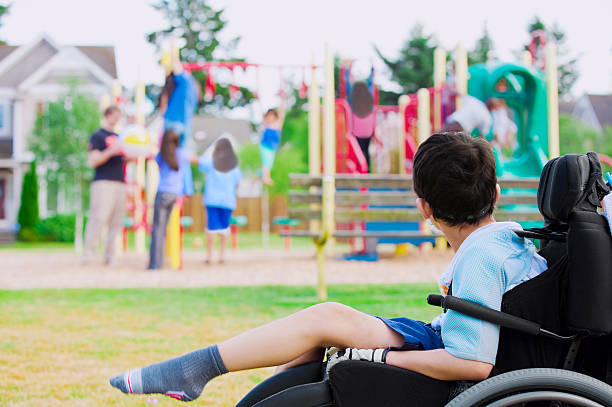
249 207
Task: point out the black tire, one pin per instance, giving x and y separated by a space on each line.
532 381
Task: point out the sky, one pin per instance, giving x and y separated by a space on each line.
290 31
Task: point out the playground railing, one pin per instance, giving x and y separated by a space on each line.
387 200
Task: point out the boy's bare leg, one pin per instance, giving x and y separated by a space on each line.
319 326
223 240
310 356
210 243
289 340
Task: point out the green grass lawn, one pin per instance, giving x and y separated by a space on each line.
60 347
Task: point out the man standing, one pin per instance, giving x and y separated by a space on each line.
107 198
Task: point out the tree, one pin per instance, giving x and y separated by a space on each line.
59 141
413 69
567 65
28 208
483 48
198 26
4 10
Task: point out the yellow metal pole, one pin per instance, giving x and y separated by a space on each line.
402 103
173 238
439 77
552 94
329 163
526 58
461 74
423 115
314 133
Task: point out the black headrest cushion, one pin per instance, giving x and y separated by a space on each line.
568 183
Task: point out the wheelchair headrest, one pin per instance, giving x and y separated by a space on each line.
569 183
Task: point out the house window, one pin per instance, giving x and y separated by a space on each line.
5 119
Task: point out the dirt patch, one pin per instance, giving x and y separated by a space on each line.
25 269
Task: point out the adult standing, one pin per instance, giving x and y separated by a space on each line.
107 197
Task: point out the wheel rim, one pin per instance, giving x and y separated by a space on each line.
572 399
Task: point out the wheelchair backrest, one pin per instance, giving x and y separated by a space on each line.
571 188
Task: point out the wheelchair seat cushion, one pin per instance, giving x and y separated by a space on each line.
359 384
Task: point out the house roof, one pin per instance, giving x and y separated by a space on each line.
567 107
103 55
36 54
602 106
28 63
206 130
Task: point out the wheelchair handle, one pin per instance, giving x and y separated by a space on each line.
478 311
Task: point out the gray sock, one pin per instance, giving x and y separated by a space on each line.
182 378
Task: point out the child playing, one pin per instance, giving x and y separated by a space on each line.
454 179
173 162
222 178
270 140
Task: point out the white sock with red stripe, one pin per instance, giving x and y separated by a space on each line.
182 378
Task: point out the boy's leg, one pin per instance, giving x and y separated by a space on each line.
319 326
276 343
210 242
223 242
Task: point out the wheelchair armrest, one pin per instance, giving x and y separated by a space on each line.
478 311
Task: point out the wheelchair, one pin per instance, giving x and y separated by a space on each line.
555 344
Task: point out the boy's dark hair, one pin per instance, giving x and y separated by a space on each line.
110 110
272 112
455 174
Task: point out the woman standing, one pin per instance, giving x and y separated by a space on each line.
173 162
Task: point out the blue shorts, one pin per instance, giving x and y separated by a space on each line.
267 156
417 335
218 219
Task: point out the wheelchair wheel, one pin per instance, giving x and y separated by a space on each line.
533 385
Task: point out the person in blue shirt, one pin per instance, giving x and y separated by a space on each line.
454 179
222 178
270 140
173 161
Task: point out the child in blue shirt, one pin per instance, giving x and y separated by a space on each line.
270 140
454 179
173 162
222 178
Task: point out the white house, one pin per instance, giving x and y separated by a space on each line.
31 75
594 110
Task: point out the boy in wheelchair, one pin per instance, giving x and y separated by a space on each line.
454 178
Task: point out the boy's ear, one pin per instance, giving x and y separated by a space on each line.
497 193
424 208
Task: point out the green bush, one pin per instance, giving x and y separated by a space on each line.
288 159
28 208
29 234
58 228
249 159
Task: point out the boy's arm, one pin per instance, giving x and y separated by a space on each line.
439 364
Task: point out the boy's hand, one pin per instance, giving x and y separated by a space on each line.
335 355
